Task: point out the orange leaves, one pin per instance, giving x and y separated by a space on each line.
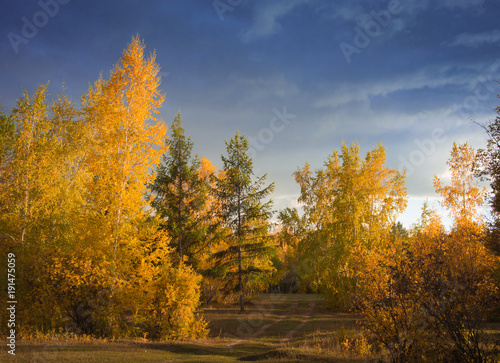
463 196
71 273
72 207
350 206
123 145
364 191
166 297
206 169
426 295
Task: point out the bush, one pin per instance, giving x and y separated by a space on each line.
426 299
172 309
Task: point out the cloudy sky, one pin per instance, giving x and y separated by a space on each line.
298 77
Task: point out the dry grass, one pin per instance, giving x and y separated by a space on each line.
275 328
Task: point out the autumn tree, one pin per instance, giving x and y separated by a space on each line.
125 143
471 264
118 113
243 212
74 212
41 196
426 298
7 133
386 294
463 196
351 205
487 167
166 294
180 194
21 175
292 229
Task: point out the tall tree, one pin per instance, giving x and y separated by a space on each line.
72 210
125 143
351 205
488 160
23 179
242 211
118 113
180 193
487 167
215 233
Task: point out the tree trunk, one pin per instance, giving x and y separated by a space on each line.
240 272
180 233
240 278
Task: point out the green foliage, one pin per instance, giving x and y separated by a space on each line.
244 214
180 194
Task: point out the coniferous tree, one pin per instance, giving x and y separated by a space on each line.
243 212
180 193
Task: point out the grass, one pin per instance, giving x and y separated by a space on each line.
274 328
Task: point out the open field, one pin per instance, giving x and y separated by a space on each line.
275 328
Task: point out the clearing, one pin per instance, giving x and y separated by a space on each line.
274 328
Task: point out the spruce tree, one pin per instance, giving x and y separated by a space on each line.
242 212
180 193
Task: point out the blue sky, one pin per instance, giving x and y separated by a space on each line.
298 77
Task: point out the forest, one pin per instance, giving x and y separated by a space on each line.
119 232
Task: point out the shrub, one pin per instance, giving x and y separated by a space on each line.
427 299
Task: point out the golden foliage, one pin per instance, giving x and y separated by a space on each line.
425 296
350 206
72 186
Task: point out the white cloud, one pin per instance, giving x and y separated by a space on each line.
476 40
413 211
265 20
361 93
470 77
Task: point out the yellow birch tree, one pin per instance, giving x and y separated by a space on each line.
125 143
